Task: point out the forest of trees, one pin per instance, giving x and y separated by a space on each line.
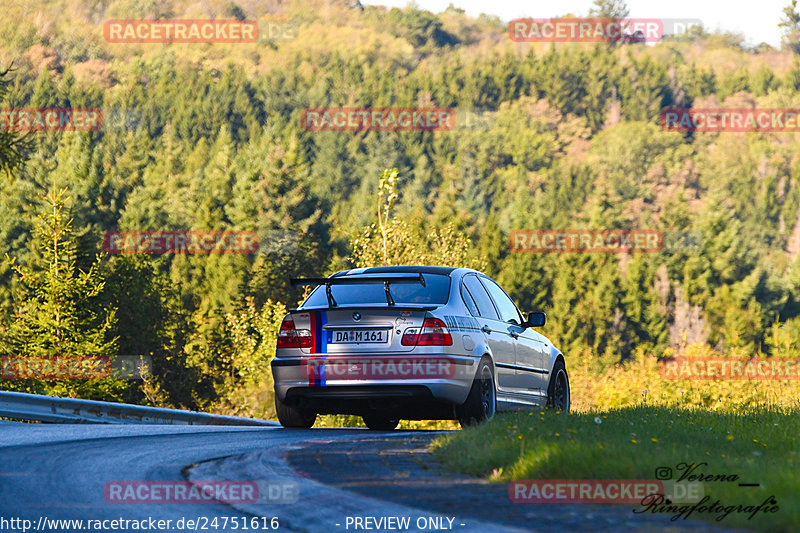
209 137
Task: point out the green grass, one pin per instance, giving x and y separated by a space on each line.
760 446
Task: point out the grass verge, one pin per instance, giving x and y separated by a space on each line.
758 446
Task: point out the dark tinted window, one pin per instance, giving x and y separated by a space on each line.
481 297
508 311
435 291
469 302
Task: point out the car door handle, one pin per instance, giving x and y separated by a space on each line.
514 334
486 329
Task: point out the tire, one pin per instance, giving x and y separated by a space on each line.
293 417
380 423
558 396
481 403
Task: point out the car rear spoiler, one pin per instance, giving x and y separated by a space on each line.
401 307
357 280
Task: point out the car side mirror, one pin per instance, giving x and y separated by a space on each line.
535 320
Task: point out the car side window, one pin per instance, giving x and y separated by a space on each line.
481 297
469 302
508 311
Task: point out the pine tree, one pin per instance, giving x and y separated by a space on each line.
614 9
13 145
55 307
790 24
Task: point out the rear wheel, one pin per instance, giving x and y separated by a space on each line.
294 417
482 400
380 423
558 389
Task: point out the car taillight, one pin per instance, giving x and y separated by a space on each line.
433 333
410 337
290 337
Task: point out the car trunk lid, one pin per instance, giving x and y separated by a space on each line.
362 329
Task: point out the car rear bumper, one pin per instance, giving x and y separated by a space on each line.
334 391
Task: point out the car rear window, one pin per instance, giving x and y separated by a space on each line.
435 292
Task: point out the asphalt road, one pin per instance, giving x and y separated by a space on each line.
322 480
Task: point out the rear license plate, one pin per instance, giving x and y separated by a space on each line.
360 336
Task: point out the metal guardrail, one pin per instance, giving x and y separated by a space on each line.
55 409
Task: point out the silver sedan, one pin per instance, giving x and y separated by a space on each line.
413 342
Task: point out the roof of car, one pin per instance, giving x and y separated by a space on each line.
414 269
